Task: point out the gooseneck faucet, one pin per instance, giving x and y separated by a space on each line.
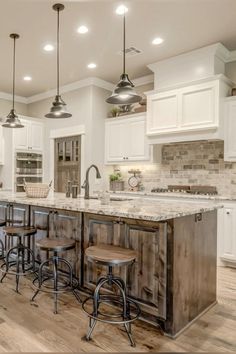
86 182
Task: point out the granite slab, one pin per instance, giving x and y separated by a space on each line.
150 210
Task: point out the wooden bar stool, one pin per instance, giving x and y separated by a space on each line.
129 311
57 280
19 260
2 248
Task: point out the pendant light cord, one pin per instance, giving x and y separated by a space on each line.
14 69
58 63
124 39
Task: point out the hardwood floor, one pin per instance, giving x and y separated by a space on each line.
30 327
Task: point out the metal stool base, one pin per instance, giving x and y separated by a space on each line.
62 282
19 261
124 317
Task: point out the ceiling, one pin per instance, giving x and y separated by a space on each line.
183 24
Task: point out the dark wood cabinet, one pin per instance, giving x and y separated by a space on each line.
59 223
146 278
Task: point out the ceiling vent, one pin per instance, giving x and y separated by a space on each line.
130 52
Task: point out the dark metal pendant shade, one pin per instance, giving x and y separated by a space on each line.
58 109
12 120
124 92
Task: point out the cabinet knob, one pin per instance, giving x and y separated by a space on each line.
228 213
123 158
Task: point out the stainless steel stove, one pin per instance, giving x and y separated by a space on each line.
202 190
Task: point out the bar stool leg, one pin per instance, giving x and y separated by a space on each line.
55 280
62 260
40 280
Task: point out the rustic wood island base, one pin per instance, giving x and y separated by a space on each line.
174 276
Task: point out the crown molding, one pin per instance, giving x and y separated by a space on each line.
8 97
91 81
232 56
144 80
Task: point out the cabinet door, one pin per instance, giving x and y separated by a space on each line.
36 136
137 147
147 278
228 241
98 230
21 136
67 224
199 107
162 113
115 141
230 128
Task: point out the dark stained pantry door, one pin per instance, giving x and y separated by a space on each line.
67 162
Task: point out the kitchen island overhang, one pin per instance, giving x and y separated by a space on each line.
174 277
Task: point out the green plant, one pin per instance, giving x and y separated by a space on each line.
115 176
115 111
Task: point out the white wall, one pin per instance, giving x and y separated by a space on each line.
88 107
6 171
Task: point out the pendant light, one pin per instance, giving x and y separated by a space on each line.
12 120
58 109
124 92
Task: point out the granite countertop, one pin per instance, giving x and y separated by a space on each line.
231 197
151 210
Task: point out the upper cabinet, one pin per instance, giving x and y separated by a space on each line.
30 137
230 128
125 139
191 112
1 147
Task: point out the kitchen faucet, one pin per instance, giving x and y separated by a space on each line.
86 182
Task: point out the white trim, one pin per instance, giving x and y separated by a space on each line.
144 80
69 131
8 97
91 81
65 132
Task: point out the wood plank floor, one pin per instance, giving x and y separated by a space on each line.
34 328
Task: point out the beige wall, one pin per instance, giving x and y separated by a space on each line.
230 71
6 105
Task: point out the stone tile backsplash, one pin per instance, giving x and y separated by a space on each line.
195 163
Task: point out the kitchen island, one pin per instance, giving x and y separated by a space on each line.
174 276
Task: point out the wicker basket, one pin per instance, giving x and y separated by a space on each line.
37 190
116 186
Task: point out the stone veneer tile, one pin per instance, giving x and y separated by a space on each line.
189 163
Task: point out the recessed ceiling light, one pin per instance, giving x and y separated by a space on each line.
48 47
157 41
92 66
82 29
121 10
27 78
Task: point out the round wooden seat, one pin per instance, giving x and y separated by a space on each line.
19 230
56 244
110 255
2 223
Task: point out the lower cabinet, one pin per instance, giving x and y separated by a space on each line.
59 223
227 232
146 278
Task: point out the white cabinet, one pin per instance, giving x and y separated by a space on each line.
30 137
230 129
186 110
125 139
1 147
227 232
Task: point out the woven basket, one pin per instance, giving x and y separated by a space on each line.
37 190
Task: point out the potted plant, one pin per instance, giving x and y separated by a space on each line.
116 182
115 111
